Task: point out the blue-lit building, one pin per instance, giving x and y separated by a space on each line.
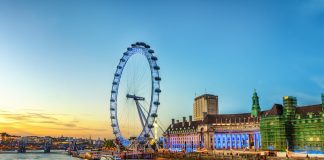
230 131
216 131
182 136
298 128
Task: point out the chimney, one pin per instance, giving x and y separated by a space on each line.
190 120
183 121
172 122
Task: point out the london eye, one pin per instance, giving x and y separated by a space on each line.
135 94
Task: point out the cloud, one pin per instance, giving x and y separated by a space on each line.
307 99
319 81
83 129
42 115
26 116
58 123
29 122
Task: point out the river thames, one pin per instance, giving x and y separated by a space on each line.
58 155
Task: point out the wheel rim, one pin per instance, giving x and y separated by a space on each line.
144 49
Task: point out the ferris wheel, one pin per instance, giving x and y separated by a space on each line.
135 94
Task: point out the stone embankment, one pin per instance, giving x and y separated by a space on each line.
217 156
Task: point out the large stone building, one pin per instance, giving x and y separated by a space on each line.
213 130
298 128
182 135
232 131
206 104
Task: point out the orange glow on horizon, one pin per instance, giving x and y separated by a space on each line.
45 124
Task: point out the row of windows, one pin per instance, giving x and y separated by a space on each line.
306 121
173 142
178 140
183 135
186 138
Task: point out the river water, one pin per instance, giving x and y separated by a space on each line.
30 155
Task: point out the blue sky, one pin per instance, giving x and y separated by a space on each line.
59 56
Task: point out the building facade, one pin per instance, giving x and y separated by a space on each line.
215 131
298 128
182 135
230 131
206 104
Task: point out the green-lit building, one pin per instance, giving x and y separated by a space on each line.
287 125
298 128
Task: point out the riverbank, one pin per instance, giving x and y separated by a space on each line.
197 156
37 155
240 155
220 155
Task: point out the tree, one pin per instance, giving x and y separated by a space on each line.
108 143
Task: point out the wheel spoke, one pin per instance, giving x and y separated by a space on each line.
140 114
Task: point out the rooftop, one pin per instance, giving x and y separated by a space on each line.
177 126
206 96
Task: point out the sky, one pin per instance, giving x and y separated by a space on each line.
57 58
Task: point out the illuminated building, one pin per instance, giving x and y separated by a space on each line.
299 129
182 135
206 104
255 105
216 131
232 131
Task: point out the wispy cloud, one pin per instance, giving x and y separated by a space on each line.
34 122
81 129
28 117
307 99
319 81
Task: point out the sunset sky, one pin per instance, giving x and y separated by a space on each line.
57 58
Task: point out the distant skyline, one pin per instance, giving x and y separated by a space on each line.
57 58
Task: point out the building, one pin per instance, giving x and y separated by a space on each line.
215 131
206 104
298 128
255 105
232 131
7 138
182 135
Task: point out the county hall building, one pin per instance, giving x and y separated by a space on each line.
299 128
